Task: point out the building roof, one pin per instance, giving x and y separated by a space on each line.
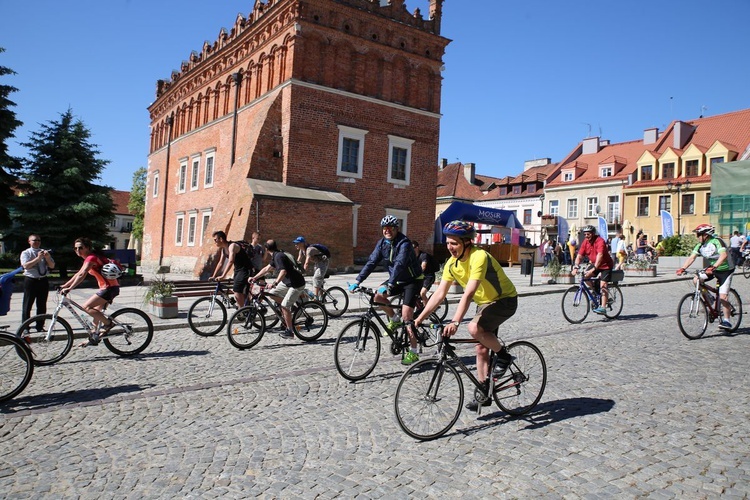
452 183
532 175
120 200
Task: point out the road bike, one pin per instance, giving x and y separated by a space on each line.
357 347
247 326
16 364
430 394
441 312
702 306
131 332
335 300
579 299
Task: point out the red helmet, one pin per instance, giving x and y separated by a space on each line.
704 229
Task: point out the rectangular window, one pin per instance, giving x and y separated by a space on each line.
399 160
647 172
592 204
572 208
691 168
204 225
605 172
531 188
351 152
613 209
192 220
688 204
567 176
717 160
155 191
554 207
194 173
182 176
129 226
527 216
643 206
178 230
665 203
516 189
113 223
667 171
504 190
708 203
208 176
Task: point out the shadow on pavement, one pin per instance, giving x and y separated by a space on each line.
81 396
140 357
636 316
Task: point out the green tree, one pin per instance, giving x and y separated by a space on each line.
61 200
9 165
137 202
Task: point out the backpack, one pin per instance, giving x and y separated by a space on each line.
296 264
247 249
432 264
730 257
322 249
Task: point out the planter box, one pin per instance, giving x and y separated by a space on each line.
643 273
164 307
670 263
562 279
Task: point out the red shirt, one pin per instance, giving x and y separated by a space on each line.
599 247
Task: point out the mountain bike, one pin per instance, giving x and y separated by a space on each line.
16 364
207 316
130 334
247 325
357 347
430 394
746 263
702 306
334 299
578 300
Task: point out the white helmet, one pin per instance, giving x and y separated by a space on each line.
111 271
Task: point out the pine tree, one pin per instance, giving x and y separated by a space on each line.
8 165
61 200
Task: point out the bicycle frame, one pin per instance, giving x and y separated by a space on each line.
71 305
372 312
712 301
584 288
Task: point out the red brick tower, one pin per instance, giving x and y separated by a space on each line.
311 117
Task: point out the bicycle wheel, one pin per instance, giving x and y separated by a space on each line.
16 366
246 328
310 321
575 305
746 268
48 346
207 316
335 300
132 332
521 387
428 399
357 350
614 301
267 307
692 316
735 308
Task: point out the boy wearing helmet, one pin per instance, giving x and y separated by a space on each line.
106 274
712 248
595 248
484 283
404 276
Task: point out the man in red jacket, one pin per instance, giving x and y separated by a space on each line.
595 248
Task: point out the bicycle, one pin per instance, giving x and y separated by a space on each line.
207 316
130 334
702 306
579 299
746 263
16 364
357 347
430 395
441 312
248 324
335 300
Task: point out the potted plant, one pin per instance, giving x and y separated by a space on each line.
160 297
557 273
640 267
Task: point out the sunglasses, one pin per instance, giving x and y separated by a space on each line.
78 248
35 240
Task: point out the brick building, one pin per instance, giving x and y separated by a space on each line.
312 117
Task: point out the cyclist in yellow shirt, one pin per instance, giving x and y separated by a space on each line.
484 283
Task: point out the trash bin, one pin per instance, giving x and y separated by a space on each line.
525 267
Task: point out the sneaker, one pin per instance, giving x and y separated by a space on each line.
474 404
502 361
410 358
600 310
725 325
286 334
393 326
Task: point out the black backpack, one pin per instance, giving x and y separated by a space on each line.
322 249
247 249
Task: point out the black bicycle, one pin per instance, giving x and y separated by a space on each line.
441 312
207 316
16 364
430 395
357 347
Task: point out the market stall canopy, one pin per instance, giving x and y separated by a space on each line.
732 178
474 213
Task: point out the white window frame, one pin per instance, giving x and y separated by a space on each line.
613 208
402 215
401 143
554 207
179 228
591 203
182 176
205 222
209 168
155 188
572 208
356 135
606 171
195 167
568 176
192 228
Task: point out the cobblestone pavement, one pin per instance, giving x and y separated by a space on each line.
632 408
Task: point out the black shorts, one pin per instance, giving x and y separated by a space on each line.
490 316
604 274
240 284
410 291
429 280
108 293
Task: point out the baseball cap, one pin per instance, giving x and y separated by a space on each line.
299 239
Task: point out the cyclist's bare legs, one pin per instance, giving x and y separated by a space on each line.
487 341
407 313
94 307
383 299
605 293
286 312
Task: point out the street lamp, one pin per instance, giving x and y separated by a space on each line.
678 187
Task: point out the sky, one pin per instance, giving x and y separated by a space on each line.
523 79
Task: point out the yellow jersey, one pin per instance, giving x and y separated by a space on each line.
494 284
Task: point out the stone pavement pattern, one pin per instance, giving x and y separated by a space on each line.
631 408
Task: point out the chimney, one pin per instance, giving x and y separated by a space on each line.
590 145
536 163
650 135
682 134
443 163
469 169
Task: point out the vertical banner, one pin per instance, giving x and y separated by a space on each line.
603 232
562 229
667 224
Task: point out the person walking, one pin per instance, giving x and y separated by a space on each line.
316 254
36 263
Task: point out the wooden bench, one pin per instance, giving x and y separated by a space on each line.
194 288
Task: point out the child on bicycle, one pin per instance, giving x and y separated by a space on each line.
106 274
484 283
